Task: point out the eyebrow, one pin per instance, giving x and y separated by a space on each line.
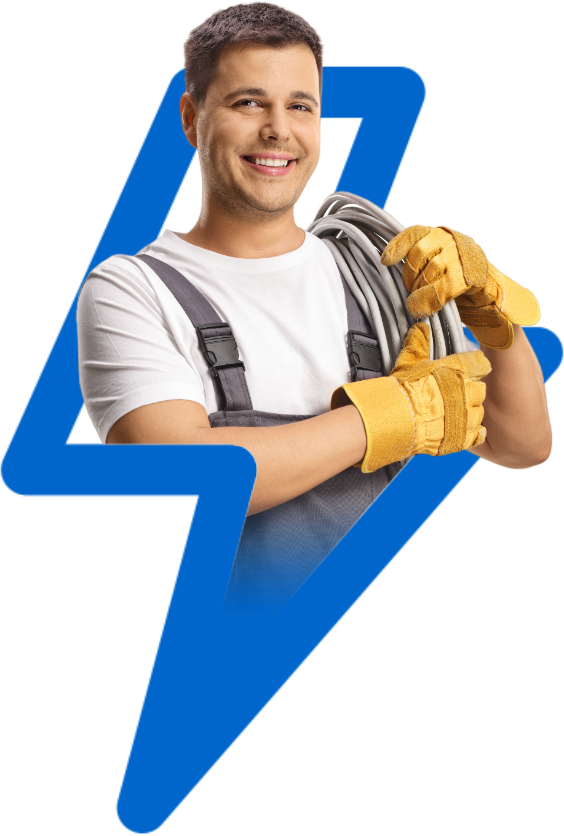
259 91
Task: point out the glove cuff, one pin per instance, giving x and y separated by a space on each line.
499 337
519 305
390 427
509 304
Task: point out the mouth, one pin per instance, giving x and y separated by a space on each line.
272 166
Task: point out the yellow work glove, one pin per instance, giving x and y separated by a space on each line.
441 264
425 406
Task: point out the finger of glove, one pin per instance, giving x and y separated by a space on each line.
416 348
426 250
440 281
472 257
399 246
431 298
472 365
475 395
425 301
475 437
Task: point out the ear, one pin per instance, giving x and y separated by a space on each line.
188 114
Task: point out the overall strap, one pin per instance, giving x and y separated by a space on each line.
215 337
220 349
364 351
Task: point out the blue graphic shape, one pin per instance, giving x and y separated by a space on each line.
214 671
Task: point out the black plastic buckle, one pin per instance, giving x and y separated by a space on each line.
362 356
220 350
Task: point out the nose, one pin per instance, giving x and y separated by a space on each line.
276 126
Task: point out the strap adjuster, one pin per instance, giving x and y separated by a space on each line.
220 350
364 353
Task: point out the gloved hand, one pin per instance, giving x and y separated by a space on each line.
441 264
425 406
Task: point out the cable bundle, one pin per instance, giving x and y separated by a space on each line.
356 232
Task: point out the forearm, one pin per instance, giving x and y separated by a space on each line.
293 458
516 413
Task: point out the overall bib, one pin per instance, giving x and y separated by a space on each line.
279 548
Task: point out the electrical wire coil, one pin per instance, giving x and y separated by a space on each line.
356 232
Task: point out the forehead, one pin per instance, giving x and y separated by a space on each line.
244 61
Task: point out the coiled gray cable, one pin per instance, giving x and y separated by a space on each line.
356 232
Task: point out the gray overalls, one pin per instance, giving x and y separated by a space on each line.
280 547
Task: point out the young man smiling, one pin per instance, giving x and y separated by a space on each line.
252 110
258 147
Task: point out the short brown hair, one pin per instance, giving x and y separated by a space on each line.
262 23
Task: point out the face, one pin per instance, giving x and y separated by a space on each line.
257 133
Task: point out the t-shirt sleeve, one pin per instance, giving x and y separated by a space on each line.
128 356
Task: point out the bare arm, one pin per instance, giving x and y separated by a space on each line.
290 459
293 458
516 413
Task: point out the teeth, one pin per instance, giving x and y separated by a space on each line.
274 163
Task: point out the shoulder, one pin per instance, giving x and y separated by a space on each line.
122 272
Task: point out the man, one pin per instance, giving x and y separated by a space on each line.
252 109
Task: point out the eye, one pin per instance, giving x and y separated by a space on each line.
302 108
248 103
244 101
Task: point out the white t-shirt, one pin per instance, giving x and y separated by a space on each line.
287 313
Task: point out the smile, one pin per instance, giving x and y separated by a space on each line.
271 166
